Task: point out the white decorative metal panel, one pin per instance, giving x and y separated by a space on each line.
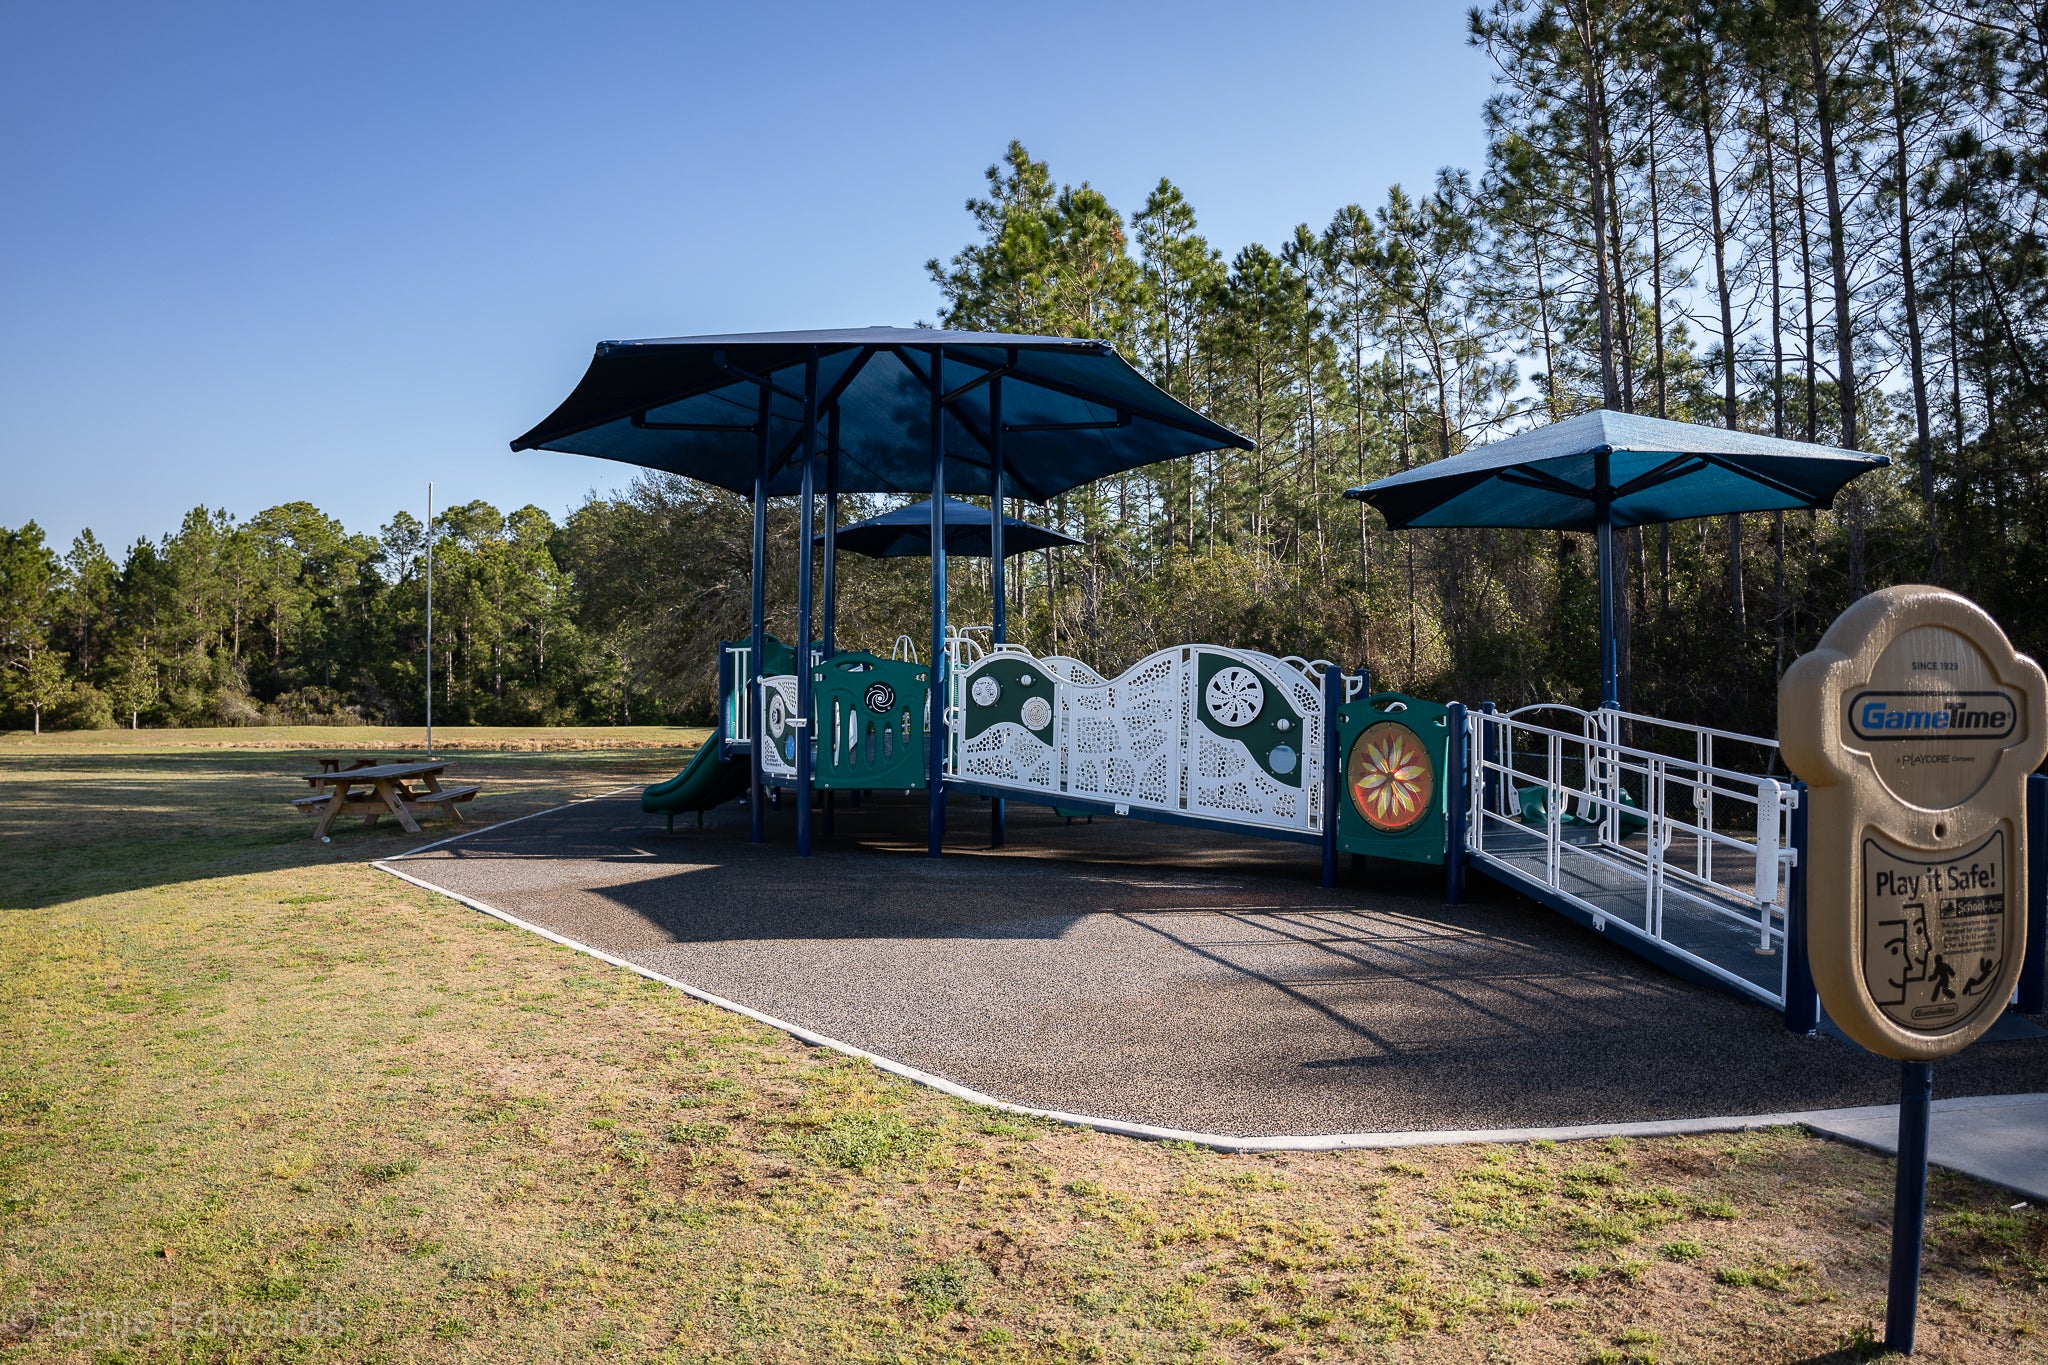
778 707
1157 737
1124 740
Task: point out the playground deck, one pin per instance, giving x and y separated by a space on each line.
1148 973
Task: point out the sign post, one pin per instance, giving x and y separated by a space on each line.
1915 726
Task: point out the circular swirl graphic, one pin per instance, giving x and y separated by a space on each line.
985 691
1235 696
1390 777
778 714
880 698
1036 713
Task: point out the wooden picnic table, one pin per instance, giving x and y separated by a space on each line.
383 789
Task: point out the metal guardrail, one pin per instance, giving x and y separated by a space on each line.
1630 824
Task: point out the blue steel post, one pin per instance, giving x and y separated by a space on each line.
831 531
1802 1002
1333 775
1454 832
2033 996
1490 799
936 778
1000 616
806 518
756 816
1364 676
1603 539
831 566
1909 1205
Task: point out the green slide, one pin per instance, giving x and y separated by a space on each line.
707 782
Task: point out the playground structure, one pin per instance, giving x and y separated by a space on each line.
1677 839
1673 838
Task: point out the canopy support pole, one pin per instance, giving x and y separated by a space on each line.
936 693
807 517
831 565
1603 534
831 532
756 721
999 617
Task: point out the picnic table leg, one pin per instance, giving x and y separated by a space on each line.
386 790
433 781
327 814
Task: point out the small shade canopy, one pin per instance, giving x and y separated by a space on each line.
907 533
1603 470
1655 470
1072 410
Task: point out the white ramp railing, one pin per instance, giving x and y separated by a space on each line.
1670 847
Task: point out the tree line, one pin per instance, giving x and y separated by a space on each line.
288 618
1814 220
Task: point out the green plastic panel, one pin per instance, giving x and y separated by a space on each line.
1393 758
998 691
871 723
1273 735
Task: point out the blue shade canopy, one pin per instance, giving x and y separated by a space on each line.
907 533
1657 470
1073 411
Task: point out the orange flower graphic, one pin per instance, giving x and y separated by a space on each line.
1390 777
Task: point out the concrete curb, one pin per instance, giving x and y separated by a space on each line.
1224 1142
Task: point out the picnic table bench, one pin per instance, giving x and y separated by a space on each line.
379 789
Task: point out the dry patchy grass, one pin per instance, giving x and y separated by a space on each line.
353 1120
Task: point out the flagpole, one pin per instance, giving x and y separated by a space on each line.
430 619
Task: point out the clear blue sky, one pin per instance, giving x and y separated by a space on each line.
258 253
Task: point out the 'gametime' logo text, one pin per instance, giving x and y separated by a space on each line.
1933 715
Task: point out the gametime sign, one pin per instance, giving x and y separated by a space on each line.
1914 725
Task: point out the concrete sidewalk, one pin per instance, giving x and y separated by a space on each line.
1999 1138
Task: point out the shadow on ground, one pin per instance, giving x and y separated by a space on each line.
1172 976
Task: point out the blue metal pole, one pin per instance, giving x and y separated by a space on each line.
1454 834
806 517
936 779
831 565
998 582
1802 1001
756 722
1333 774
2033 995
831 531
1364 693
1909 1205
1489 781
1603 534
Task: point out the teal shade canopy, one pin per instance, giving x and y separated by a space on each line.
1073 410
907 533
1657 470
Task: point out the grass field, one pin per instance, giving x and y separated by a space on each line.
353 738
259 1101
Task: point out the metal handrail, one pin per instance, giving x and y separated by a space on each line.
1518 751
